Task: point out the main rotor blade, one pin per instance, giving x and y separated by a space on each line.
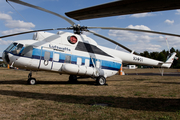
112 41
42 9
137 30
123 7
33 31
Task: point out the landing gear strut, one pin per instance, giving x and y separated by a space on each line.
31 81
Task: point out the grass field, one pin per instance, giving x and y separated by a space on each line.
128 97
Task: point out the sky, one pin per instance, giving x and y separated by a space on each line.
25 19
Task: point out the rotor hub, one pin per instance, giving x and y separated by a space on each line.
78 29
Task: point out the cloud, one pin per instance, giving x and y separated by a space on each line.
145 47
16 30
138 41
121 17
139 15
172 41
5 17
177 12
3 42
15 25
142 27
19 24
131 36
170 22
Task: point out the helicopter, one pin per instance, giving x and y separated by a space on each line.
76 54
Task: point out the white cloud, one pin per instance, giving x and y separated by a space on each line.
3 42
177 12
131 36
138 41
4 16
17 25
140 47
121 17
142 27
172 41
169 21
16 30
139 15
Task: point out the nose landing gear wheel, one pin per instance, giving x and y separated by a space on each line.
31 81
101 80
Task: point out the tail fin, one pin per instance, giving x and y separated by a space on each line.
169 61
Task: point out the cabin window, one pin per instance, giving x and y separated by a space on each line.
98 64
17 49
86 47
79 61
11 47
47 56
27 52
87 62
68 59
56 57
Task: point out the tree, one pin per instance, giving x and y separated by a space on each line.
161 57
154 55
172 50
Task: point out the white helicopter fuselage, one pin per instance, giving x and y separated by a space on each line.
55 53
83 57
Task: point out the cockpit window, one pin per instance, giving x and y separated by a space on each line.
11 47
17 49
27 52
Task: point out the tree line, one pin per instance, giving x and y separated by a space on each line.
162 56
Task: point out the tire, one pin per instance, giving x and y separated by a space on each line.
101 80
31 81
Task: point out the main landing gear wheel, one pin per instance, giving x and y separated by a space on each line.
72 78
31 81
101 80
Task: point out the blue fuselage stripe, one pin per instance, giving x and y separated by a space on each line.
38 54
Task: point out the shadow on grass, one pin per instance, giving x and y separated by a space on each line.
14 82
165 82
147 104
23 82
155 74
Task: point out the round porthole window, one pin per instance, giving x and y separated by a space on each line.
72 39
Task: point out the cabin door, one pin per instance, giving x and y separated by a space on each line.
46 59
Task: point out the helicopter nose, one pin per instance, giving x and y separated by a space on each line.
5 57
